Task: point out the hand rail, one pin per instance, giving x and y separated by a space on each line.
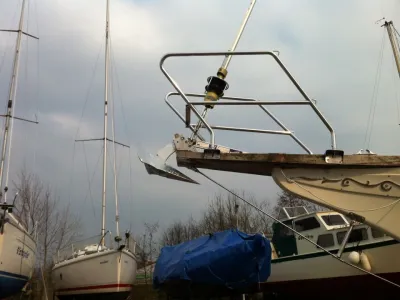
192 105
247 101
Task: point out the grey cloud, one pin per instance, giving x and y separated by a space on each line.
330 47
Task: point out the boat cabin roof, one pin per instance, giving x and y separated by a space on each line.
304 218
292 212
325 228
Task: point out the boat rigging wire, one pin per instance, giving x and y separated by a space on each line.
10 46
396 94
114 148
371 116
114 67
77 133
37 95
293 230
88 177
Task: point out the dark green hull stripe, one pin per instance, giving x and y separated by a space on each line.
323 253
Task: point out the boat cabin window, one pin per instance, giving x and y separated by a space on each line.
286 231
356 235
377 233
306 224
326 240
333 220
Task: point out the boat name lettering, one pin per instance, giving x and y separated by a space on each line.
309 236
22 253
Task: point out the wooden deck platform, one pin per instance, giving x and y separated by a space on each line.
264 163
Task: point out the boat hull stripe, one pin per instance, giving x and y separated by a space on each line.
13 275
95 287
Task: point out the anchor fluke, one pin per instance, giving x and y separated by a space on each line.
158 166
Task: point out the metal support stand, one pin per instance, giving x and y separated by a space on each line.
346 238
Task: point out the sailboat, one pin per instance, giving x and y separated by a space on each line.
96 270
363 186
17 245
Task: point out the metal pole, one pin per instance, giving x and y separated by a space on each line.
223 69
237 215
389 29
346 238
12 91
228 58
103 206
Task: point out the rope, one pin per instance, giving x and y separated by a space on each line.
296 232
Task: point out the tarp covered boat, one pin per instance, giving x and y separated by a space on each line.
230 259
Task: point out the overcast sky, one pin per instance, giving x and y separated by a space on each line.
331 47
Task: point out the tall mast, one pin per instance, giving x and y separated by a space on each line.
389 28
103 205
11 96
117 237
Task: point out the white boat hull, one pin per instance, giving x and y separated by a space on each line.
323 274
108 274
17 259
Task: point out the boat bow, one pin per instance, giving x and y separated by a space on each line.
364 187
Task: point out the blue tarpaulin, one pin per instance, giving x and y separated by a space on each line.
229 258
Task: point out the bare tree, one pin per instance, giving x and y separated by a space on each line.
57 228
147 248
151 229
39 209
193 229
229 211
223 212
179 232
29 203
287 199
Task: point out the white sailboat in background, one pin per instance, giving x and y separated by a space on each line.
96 270
17 245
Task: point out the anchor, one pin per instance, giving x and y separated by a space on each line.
158 166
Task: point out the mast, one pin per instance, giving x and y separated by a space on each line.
105 139
10 104
103 205
11 95
389 28
117 237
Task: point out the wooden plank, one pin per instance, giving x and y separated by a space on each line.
263 163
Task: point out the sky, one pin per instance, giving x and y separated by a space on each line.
332 48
